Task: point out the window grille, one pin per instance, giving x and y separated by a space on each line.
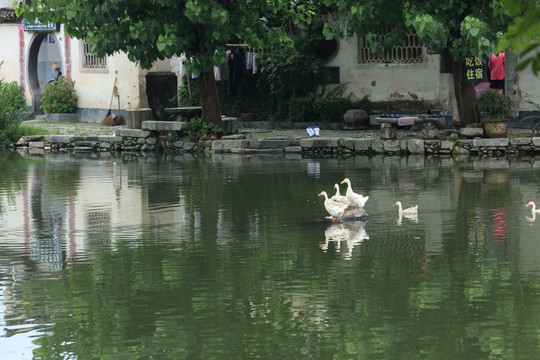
411 51
91 61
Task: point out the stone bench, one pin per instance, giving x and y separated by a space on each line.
389 125
185 112
135 117
160 126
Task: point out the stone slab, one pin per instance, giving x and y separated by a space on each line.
135 117
109 138
491 142
162 125
226 145
318 142
415 146
471 132
268 144
391 145
134 133
521 141
36 144
62 139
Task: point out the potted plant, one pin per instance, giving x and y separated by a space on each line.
212 131
59 99
495 112
197 129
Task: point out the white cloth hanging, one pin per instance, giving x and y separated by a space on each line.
193 76
249 60
181 68
254 62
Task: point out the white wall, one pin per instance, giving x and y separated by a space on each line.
9 53
381 82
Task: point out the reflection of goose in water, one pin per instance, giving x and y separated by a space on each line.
335 233
357 234
356 199
534 211
353 233
334 208
411 217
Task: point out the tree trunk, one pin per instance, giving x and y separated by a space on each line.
464 94
211 107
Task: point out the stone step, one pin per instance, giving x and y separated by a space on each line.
162 125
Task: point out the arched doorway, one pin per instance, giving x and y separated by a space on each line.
44 52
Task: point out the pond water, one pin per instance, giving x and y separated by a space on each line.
232 257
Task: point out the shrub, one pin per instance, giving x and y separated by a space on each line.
12 104
59 97
492 105
331 109
301 108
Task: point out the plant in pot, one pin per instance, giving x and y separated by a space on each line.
213 131
495 110
197 129
60 97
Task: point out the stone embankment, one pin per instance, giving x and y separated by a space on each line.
128 140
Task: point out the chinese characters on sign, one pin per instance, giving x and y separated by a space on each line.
475 69
36 26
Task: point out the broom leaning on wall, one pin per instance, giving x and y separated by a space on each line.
108 119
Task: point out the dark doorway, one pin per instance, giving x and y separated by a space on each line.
162 92
44 51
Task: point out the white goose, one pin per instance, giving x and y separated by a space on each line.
341 198
357 200
334 208
534 210
409 211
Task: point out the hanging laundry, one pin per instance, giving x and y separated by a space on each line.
254 62
181 67
193 76
249 60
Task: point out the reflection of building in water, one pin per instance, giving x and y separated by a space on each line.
314 169
98 227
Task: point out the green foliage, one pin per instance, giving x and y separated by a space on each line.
198 128
170 27
12 104
59 97
301 108
523 35
331 109
464 28
287 71
493 105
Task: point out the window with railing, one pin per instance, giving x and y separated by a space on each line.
410 51
91 61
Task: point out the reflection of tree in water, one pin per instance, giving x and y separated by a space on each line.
14 170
